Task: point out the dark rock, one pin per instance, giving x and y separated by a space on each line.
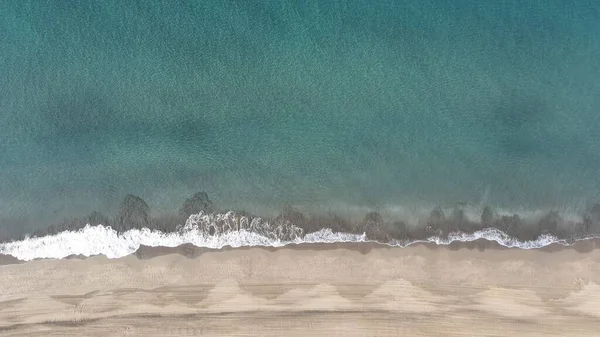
437 214
458 221
591 220
199 202
332 221
515 227
549 223
291 215
97 218
242 213
372 224
508 224
437 224
133 213
572 231
373 218
487 217
398 231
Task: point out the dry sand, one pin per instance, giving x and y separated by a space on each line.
309 290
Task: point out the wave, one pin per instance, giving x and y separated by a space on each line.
217 231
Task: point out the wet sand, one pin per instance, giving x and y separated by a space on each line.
476 289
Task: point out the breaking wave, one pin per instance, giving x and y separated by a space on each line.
220 230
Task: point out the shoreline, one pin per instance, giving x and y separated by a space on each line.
191 251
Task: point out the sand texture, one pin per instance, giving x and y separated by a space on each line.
309 290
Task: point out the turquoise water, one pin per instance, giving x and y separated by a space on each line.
322 105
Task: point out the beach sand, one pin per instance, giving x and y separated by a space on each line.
476 289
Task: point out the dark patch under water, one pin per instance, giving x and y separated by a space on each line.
134 213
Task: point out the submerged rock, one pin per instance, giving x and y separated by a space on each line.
199 202
294 217
436 224
398 231
332 221
133 213
373 218
458 215
375 228
459 222
437 214
487 217
591 220
549 223
509 224
97 218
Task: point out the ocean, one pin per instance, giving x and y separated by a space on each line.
395 117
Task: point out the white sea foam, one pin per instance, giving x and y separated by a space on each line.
216 231
493 234
202 230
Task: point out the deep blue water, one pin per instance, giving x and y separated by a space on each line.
322 105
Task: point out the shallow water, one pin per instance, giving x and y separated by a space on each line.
326 106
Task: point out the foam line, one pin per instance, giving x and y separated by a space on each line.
217 231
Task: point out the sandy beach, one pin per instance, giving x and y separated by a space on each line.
476 289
